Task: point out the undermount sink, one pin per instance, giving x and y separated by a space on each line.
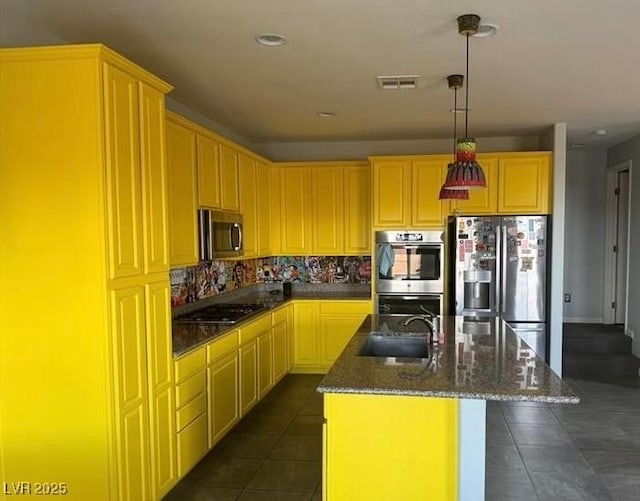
395 344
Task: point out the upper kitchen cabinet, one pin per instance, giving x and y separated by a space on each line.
357 209
524 183
229 178
327 210
248 205
208 172
181 163
93 195
405 191
265 215
294 210
481 200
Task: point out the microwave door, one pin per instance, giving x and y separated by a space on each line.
235 237
204 235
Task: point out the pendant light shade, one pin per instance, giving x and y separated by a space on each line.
466 173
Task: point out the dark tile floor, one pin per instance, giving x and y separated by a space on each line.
589 451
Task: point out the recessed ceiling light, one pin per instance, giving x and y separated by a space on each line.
486 30
271 39
600 132
326 114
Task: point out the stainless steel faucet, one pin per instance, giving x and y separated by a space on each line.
432 323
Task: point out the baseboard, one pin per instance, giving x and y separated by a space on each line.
583 320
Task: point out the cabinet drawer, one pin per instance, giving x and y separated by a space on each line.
254 328
345 307
192 444
222 346
280 315
188 364
190 411
191 388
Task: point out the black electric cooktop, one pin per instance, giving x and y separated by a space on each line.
228 313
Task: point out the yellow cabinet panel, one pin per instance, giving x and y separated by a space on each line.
192 444
191 388
305 327
124 205
335 333
327 210
265 363
481 200
229 178
295 231
191 410
154 180
265 217
163 443
208 173
385 470
133 464
428 175
275 186
248 376
181 167
158 324
248 205
357 210
223 396
524 184
280 336
391 195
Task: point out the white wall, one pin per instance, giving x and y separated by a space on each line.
630 150
585 216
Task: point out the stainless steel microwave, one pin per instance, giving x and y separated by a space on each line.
219 234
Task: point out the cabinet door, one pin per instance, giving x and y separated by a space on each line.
124 204
181 167
275 186
481 200
192 444
154 181
327 210
335 333
265 220
294 197
248 206
129 364
305 332
524 185
391 195
208 172
357 210
224 406
248 376
265 363
162 428
427 178
229 178
280 336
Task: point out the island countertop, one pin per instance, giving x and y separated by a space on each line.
475 359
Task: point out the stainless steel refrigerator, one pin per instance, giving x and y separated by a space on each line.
498 266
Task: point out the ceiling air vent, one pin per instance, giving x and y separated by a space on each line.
398 82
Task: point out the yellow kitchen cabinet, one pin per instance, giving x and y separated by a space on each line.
248 376
265 362
305 332
281 330
275 187
294 210
208 155
229 178
382 469
327 210
101 171
357 209
181 167
524 183
248 205
427 177
339 320
265 217
391 193
481 200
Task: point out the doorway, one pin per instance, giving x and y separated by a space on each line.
617 243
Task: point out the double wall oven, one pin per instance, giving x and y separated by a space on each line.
409 272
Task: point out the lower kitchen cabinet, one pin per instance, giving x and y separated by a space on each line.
280 340
222 393
192 444
248 376
265 363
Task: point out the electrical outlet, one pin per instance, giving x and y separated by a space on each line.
567 297
177 276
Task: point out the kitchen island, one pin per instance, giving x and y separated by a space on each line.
414 428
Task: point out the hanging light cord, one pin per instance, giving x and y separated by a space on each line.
466 98
455 120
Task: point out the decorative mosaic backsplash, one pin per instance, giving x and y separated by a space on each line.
215 277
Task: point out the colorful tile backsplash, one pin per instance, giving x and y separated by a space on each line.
215 277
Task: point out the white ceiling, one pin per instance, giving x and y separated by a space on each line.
573 61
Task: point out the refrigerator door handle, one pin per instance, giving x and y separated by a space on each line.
503 267
499 286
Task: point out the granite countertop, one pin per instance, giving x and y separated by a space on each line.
482 359
187 336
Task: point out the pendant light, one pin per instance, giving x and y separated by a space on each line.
466 172
455 82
